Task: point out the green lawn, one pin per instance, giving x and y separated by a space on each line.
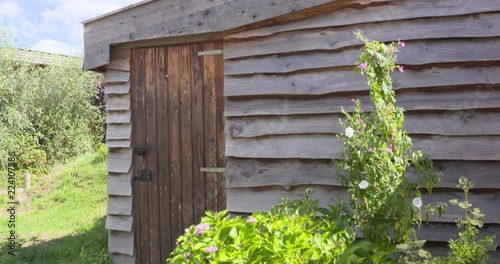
61 218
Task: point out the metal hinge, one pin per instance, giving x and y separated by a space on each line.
213 169
145 175
141 151
210 52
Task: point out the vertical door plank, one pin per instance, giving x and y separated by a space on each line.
152 161
163 152
139 117
221 135
210 127
186 135
174 143
198 131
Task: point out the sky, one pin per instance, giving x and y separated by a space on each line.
53 25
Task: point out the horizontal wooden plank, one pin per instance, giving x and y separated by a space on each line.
245 200
121 242
443 232
115 131
120 59
118 102
415 53
328 146
341 37
122 259
120 161
326 82
118 143
119 64
451 123
442 251
119 53
120 184
119 205
393 11
118 117
294 172
113 76
112 89
159 19
458 98
119 223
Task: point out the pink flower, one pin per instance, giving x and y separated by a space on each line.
363 65
186 230
362 73
251 220
201 228
361 121
401 69
401 42
353 100
370 149
341 108
187 256
211 249
389 150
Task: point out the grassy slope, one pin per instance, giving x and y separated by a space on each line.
61 219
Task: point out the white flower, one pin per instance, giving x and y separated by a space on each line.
417 202
349 132
363 184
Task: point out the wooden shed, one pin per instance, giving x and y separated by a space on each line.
255 87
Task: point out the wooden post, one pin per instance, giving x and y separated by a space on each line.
27 180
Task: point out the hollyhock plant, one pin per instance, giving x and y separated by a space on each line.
359 165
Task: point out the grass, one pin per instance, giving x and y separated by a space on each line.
61 218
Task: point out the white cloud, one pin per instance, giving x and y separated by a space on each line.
55 46
10 8
55 21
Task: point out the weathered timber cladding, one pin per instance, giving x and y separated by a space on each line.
285 85
184 21
288 70
120 178
175 95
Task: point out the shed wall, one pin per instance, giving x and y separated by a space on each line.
285 85
120 218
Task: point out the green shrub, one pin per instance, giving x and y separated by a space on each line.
289 233
46 112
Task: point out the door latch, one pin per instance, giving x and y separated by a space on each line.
145 175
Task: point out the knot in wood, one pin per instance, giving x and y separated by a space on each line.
235 130
467 117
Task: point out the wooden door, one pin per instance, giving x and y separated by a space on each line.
178 127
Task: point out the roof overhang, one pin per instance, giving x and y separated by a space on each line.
163 19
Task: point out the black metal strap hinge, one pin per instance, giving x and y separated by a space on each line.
145 175
141 151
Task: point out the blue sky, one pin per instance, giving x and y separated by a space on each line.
53 25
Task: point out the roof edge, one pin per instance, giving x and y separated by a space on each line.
116 11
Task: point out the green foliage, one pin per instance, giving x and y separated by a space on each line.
61 219
469 248
377 153
46 111
289 233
